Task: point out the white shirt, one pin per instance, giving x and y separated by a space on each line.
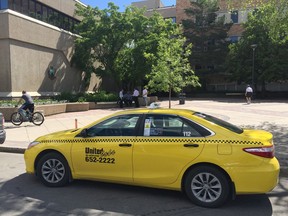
136 93
249 89
121 94
144 93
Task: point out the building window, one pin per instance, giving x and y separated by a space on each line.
173 19
234 16
40 11
234 39
3 4
25 7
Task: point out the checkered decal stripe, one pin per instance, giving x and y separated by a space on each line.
175 140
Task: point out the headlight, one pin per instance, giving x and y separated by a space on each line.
32 144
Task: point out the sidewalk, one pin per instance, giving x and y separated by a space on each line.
267 115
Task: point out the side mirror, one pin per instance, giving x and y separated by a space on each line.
83 133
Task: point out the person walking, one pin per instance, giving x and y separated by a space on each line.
145 95
135 97
248 94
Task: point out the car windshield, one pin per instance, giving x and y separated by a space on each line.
220 122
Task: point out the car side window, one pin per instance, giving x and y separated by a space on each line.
116 126
165 125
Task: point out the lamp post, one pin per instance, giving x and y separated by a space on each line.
253 46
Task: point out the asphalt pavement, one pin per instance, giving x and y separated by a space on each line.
262 114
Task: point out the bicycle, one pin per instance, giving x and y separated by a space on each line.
17 118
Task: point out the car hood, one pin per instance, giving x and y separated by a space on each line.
260 135
59 135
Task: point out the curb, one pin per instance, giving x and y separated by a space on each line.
12 150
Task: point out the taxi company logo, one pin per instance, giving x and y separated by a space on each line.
100 152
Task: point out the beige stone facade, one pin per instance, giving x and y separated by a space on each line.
28 47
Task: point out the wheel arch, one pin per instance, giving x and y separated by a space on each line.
47 151
232 185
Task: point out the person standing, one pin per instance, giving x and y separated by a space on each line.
121 95
135 97
248 94
145 95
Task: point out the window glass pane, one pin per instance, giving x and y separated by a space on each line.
3 4
220 122
11 4
162 125
117 126
32 8
234 16
25 7
17 6
44 13
38 11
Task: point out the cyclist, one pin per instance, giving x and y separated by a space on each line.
28 104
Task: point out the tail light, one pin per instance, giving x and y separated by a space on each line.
266 152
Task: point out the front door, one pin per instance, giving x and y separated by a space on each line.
105 152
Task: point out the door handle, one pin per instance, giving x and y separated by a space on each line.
125 145
191 145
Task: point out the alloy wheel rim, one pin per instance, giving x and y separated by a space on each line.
53 171
206 187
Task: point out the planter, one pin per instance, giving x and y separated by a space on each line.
51 109
7 112
75 107
104 105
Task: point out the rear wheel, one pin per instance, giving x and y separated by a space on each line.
53 170
37 118
16 118
207 186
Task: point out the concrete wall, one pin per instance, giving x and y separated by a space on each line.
27 48
5 78
149 4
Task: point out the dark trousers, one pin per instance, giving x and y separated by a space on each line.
135 99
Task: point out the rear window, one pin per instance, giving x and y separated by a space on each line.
220 122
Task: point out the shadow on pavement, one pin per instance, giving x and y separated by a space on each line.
27 195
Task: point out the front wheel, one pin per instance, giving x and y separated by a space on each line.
53 170
207 186
16 118
37 118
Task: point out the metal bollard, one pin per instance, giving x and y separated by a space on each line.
76 123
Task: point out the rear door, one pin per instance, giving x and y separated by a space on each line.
168 143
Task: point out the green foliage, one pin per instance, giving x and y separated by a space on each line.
12 103
171 69
271 53
100 96
119 42
208 34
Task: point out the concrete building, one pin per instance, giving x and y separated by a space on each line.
36 46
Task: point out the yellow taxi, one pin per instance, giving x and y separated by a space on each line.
209 159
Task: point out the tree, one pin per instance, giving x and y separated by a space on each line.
276 18
208 34
171 69
106 37
270 55
119 43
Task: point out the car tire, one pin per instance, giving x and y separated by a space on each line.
53 170
207 186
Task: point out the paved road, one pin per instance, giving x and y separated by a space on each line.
23 194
